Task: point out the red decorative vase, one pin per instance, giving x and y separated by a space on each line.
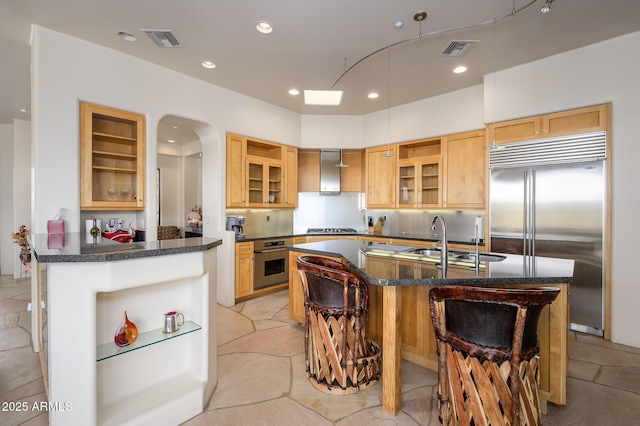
25 256
127 333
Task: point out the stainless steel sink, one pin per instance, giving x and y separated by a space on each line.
456 255
483 257
425 251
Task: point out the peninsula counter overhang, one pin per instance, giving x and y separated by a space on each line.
73 247
514 269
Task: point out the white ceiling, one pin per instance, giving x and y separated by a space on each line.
311 40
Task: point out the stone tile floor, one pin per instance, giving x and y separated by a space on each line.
261 378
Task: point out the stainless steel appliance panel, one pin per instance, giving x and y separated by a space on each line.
556 211
271 263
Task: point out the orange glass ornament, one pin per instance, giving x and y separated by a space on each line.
127 333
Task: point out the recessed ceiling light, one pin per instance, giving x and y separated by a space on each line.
459 69
264 27
127 36
372 95
174 127
208 64
294 92
399 23
24 110
171 141
322 97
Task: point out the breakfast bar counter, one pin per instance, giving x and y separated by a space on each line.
399 281
160 378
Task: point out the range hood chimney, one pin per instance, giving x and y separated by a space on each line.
329 173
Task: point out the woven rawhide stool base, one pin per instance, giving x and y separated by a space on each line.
332 368
488 353
479 391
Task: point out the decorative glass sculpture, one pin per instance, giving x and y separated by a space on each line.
127 333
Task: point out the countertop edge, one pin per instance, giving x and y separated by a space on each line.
436 281
357 234
147 251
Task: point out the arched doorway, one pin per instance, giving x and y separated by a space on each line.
178 174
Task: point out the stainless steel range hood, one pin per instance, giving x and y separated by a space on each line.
329 173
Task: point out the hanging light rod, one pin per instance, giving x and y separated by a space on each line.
419 17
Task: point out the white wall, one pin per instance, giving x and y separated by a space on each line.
332 131
22 188
171 194
601 73
454 112
192 185
6 199
15 190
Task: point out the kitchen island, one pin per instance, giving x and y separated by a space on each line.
158 379
398 318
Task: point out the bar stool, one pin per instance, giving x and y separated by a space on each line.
488 353
168 232
339 358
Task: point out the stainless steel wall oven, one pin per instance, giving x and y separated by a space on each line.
271 262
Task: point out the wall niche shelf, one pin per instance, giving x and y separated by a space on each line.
148 338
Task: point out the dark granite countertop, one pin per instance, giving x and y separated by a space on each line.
74 247
514 269
404 236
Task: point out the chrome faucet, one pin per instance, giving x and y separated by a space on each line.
444 253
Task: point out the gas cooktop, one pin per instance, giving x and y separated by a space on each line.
331 231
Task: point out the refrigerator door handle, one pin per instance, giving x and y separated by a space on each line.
525 209
532 225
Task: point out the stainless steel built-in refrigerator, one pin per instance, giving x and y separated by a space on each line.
547 198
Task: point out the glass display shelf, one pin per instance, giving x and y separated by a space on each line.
110 350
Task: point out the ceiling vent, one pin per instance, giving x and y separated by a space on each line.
458 47
163 38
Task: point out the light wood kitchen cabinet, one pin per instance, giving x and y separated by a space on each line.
418 338
260 174
236 155
467 247
465 170
570 122
379 268
380 180
412 243
309 166
316 238
352 177
244 269
265 182
519 130
419 177
373 240
112 158
291 177
299 240
582 120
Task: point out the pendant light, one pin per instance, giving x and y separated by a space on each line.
341 164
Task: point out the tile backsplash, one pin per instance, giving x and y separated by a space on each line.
346 211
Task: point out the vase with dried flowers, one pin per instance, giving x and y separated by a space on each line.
20 238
